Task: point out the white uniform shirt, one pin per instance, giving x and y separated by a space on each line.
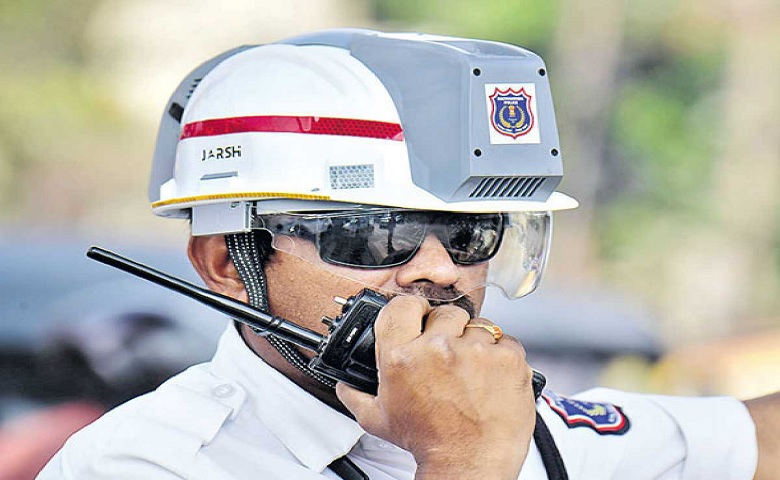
237 418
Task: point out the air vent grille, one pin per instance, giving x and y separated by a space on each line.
507 187
195 83
351 176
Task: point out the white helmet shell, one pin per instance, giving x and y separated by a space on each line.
354 117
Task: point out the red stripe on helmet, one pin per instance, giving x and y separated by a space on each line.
348 127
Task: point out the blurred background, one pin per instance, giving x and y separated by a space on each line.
666 279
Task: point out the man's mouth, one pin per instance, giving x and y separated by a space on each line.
441 296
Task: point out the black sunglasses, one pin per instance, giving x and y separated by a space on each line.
391 237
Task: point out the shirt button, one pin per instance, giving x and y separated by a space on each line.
224 390
383 445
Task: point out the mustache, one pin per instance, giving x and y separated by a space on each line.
438 296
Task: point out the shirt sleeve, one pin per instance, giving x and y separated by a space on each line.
679 438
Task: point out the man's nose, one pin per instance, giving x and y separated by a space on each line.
431 263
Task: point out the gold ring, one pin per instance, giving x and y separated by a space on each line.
494 330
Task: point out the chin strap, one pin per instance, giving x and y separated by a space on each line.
249 254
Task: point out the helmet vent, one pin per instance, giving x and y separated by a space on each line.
195 82
351 176
507 187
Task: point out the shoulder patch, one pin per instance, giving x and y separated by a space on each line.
603 418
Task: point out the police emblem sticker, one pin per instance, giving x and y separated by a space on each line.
603 418
512 113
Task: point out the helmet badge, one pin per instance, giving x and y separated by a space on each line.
512 113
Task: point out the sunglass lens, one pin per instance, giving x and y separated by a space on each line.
473 238
375 240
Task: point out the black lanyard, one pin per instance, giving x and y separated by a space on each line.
347 470
551 457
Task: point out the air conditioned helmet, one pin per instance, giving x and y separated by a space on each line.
353 129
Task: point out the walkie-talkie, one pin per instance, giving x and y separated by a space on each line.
346 354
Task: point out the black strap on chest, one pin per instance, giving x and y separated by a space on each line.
347 470
551 457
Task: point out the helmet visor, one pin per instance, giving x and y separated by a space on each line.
505 249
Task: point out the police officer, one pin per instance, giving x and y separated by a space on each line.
423 168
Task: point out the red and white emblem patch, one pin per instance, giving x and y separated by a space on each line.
603 418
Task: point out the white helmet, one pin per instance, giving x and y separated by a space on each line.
349 119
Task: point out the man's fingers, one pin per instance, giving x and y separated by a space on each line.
400 321
361 404
447 320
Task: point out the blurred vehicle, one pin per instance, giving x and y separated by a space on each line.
54 300
573 335
78 338
63 316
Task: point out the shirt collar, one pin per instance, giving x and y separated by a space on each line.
312 431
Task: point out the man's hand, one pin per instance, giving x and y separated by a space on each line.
455 398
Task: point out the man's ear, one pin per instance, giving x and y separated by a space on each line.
209 256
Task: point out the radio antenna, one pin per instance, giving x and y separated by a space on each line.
262 322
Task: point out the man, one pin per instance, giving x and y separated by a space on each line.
420 167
